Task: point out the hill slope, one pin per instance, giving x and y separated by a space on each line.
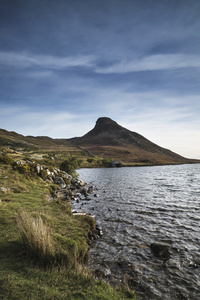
109 139
106 140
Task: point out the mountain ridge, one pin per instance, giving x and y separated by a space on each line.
108 133
107 139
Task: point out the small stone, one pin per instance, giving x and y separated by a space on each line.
3 189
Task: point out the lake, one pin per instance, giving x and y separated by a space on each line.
137 207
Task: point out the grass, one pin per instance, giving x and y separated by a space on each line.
36 283
43 246
36 237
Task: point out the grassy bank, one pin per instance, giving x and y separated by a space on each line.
53 273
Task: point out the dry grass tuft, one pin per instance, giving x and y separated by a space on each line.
36 237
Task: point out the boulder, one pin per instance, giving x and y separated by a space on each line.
116 164
99 230
78 183
66 176
56 171
38 169
60 181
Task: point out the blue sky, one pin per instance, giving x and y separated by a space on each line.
64 63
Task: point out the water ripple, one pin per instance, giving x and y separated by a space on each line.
140 206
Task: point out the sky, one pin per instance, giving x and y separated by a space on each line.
65 63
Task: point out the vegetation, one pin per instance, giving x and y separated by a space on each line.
70 165
43 245
53 153
5 159
106 162
36 237
108 140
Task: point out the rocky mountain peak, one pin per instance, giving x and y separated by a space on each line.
104 121
108 136
105 124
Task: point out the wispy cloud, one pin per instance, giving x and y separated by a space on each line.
152 63
148 63
27 60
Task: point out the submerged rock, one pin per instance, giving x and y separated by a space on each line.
90 190
102 272
161 251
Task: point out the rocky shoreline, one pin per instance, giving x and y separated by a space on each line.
76 190
64 188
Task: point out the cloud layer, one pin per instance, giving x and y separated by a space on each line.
65 63
153 63
24 60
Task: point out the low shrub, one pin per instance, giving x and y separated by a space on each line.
43 174
5 159
33 166
106 162
23 168
90 160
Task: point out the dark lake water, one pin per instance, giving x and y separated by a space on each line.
140 206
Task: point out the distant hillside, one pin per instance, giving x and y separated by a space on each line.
106 140
109 139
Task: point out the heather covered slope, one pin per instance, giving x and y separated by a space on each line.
109 139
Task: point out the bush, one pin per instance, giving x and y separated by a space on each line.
43 174
70 165
33 167
5 159
106 162
36 237
24 169
90 160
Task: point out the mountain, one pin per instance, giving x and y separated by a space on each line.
109 139
106 140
